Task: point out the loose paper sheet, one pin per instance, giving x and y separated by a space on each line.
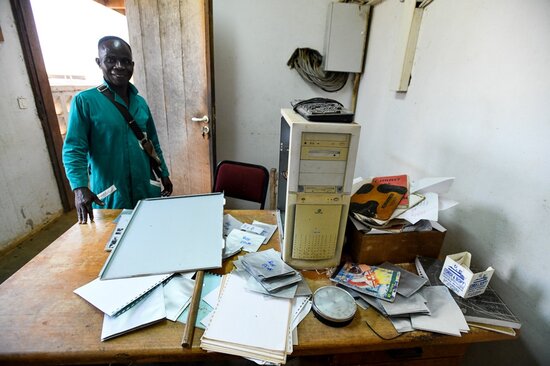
250 242
177 295
445 315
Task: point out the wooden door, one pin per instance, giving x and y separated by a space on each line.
171 44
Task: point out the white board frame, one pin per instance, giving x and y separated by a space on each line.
167 235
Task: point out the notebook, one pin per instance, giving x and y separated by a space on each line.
113 296
147 311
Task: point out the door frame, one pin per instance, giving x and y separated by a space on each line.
211 88
38 77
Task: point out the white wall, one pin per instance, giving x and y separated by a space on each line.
253 40
28 191
477 109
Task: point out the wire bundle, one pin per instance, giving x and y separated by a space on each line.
308 62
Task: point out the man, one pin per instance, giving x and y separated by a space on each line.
101 154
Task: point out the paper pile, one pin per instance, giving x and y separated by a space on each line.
392 204
267 269
259 308
242 236
252 325
486 310
415 306
132 303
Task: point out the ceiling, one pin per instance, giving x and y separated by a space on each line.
117 5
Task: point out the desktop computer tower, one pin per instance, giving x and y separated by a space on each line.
316 167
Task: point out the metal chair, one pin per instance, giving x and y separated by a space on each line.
242 180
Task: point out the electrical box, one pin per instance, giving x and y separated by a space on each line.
345 37
316 166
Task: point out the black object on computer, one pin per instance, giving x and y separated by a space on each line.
322 110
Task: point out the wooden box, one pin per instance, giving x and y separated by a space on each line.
395 248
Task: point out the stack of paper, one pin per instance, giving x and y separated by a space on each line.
409 283
419 213
268 270
248 324
248 237
445 315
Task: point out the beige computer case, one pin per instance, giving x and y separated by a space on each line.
316 167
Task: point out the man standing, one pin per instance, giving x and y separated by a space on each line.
101 153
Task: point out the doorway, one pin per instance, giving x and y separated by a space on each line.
187 137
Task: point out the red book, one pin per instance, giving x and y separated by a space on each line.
396 180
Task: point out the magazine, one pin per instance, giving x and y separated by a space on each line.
370 280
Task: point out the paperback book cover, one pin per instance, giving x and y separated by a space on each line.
396 180
487 308
370 280
377 201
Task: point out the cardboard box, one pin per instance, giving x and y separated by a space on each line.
395 248
457 276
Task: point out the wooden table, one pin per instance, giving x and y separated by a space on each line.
43 322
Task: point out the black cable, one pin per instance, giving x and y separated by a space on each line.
379 335
307 63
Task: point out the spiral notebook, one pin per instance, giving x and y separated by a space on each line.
147 311
114 296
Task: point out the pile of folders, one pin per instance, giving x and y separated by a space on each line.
270 275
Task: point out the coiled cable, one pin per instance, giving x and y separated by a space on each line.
307 63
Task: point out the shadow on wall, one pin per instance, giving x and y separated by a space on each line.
513 352
534 329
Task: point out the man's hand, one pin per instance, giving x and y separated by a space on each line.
83 199
167 187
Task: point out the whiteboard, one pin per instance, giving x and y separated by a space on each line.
167 235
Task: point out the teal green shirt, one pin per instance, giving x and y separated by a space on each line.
100 150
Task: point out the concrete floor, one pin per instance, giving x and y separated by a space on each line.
26 250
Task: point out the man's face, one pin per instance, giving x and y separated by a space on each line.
115 60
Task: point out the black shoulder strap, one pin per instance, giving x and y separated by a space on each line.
142 138
103 89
